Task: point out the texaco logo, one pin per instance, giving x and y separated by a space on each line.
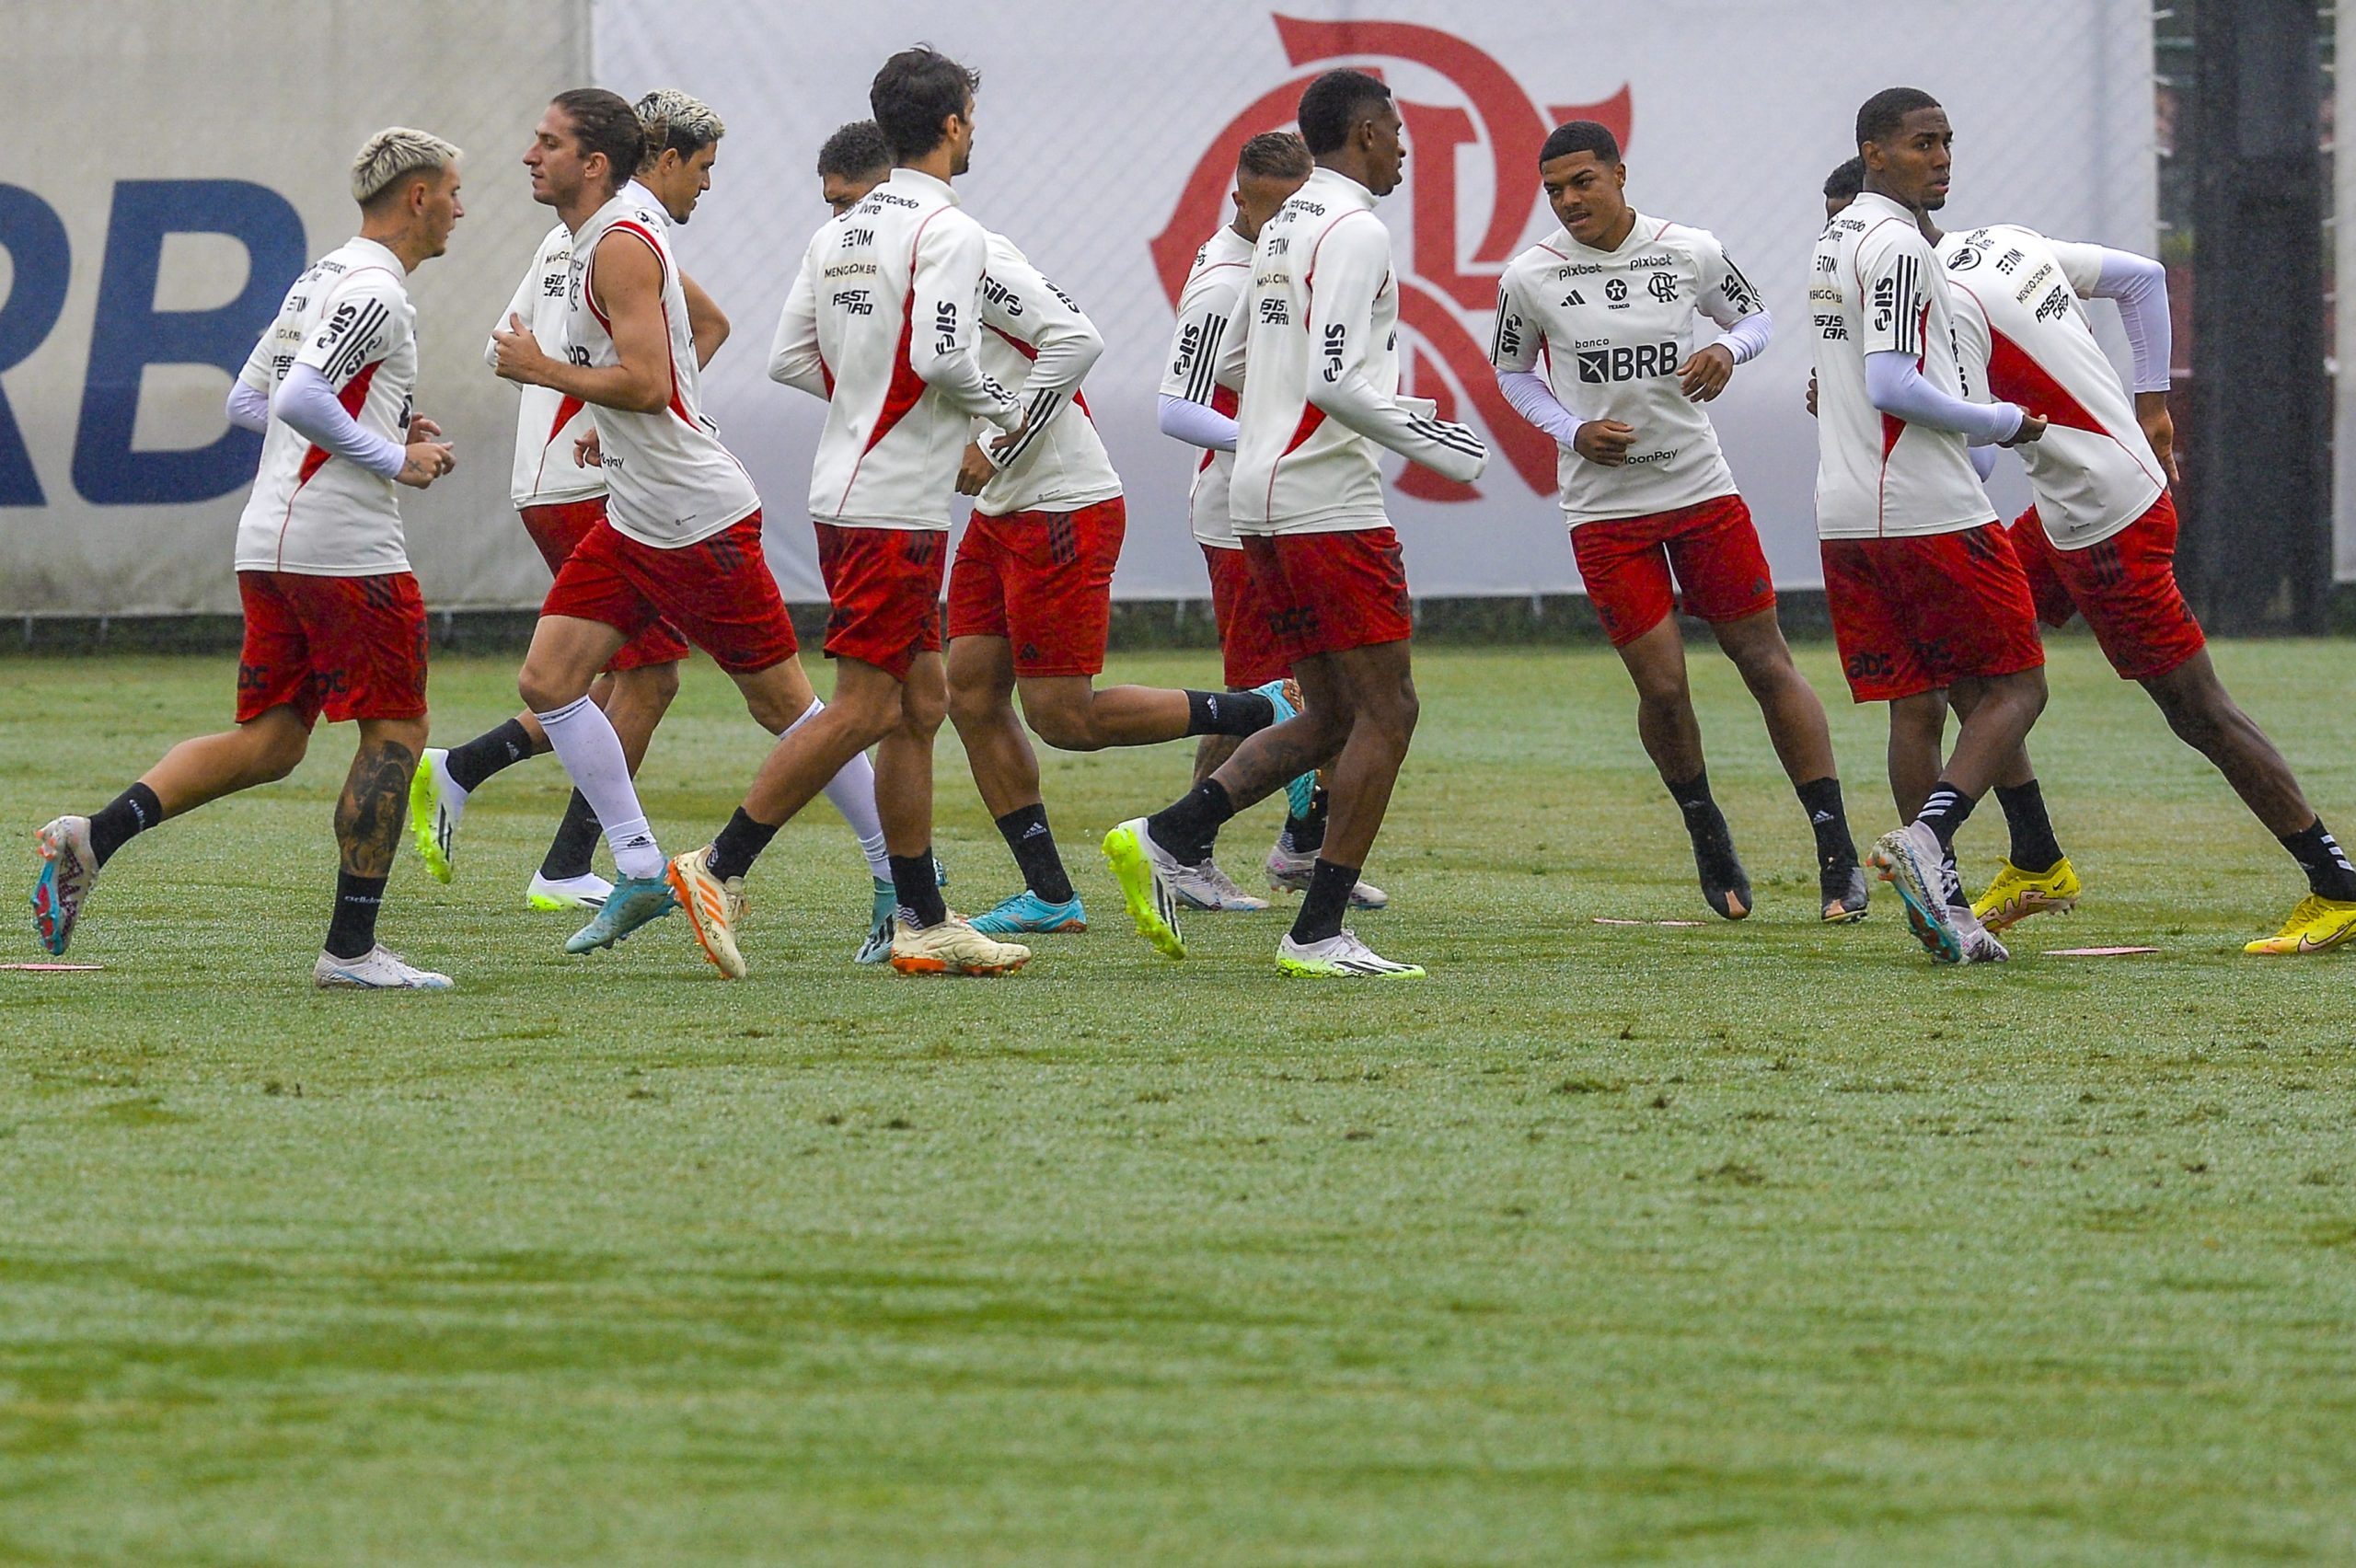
1444 297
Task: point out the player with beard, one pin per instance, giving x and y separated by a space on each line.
1613 306
880 323
1319 400
2100 539
1199 409
1925 590
334 623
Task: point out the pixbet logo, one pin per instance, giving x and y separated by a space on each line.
1444 297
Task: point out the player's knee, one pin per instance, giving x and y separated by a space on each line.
977 706
653 684
1065 724
409 735
280 755
922 708
544 690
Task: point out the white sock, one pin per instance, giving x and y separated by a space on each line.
852 790
592 754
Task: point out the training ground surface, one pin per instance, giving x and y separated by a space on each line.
1759 1244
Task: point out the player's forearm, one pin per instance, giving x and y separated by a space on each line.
1449 450
306 401
249 407
1749 338
1197 424
794 358
625 386
956 373
1894 384
1535 401
707 323
2139 285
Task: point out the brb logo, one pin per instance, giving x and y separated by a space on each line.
1445 298
131 333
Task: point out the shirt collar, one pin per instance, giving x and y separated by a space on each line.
918 178
1340 187
1876 201
1634 238
377 249
641 191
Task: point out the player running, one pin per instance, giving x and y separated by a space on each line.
1199 409
880 321
1611 305
334 623
2100 539
1321 397
1923 587
682 136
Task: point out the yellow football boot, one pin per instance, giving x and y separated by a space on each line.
2017 894
2316 924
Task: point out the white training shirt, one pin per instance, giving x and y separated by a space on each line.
1206 306
881 321
1615 327
547 422
1039 345
670 483
2023 337
349 317
1877 285
1322 307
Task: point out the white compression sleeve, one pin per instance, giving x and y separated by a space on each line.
1894 383
592 754
249 408
1197 424
307 400
2140 287
852 792
1535 401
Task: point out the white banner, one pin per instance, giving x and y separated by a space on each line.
170 168
1106 136
148 234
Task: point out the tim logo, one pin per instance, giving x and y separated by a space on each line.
1447 298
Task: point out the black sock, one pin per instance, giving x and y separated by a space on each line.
918 889
739 844
1820 798
2034 848
1228 713
124 818
1035 853
2319 853
1190 828
1703 821
1306 835
571 851
488 752
1944 811
353 931
1328 898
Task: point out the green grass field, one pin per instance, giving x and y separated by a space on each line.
1758 1244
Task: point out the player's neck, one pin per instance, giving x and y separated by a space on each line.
395 237
939 163
1351 168
1872 188
582 207
1617 234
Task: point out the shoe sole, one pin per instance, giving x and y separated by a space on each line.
2264 947
2012 911
1068 928
1842 915
1294 969
1902 873
53 920
1127 857
917 965
421 825
547 904
1249 906
685 895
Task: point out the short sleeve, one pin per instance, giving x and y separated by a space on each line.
2081 264
1893 286
1514 336
366 320
1726 297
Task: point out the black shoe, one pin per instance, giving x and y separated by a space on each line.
1843 889
1725 885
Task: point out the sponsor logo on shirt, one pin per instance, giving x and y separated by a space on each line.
1639 362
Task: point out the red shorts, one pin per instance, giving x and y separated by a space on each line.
347 647
1246 639
1712 546
1913 615
718 592
1331 592
2125 587
885 585
556 530
1044 581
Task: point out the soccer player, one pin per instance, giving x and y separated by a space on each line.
2100 539
880 321
1321 316
1841 186
334 624
1925 590
1199 409
1612 305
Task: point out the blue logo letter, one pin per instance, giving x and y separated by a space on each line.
41 260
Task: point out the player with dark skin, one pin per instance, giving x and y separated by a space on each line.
1590 199
1912 167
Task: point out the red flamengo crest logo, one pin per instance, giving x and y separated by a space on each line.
1445 296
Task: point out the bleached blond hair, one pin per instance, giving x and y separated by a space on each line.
671 118
393 153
